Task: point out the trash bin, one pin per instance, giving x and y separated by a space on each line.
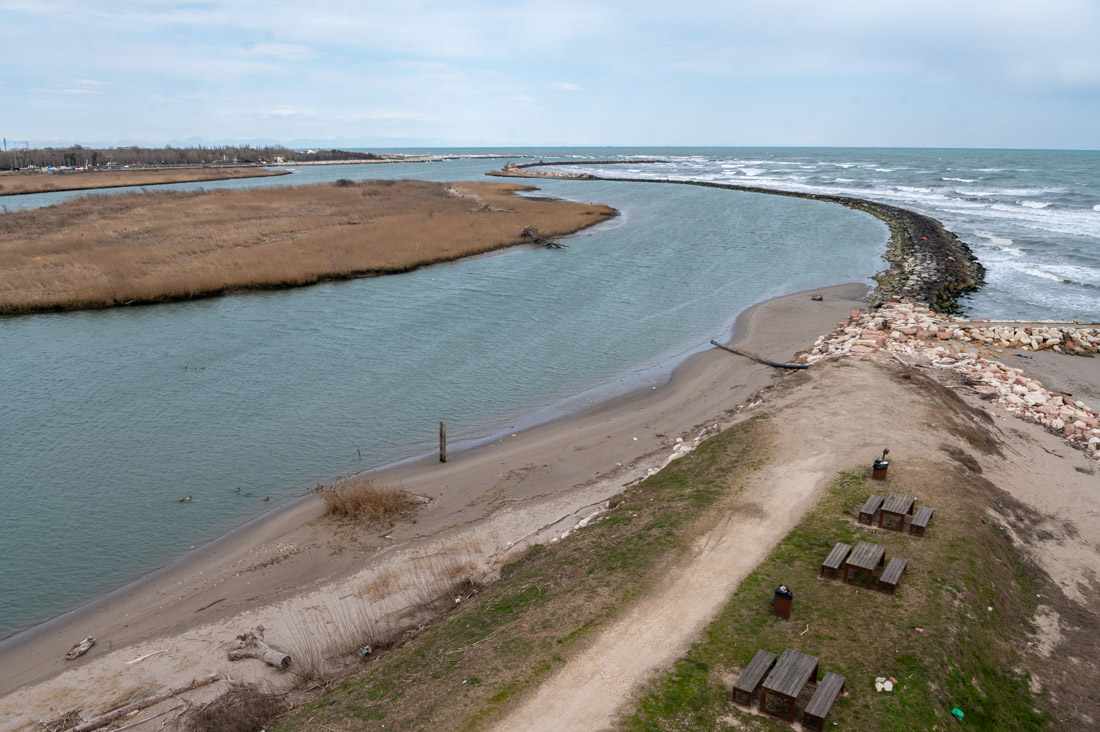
878 468
781 601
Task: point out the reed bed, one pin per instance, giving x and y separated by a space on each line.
18 184
103 251
362 499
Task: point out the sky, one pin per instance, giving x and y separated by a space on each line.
958 73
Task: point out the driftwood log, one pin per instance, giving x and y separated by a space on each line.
143 703
80 648
532 235
252 645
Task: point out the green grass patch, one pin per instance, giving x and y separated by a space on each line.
469 667
936 636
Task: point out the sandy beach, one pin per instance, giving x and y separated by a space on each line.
508 493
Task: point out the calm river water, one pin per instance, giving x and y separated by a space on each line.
108 418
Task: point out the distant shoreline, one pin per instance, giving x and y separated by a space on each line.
24 184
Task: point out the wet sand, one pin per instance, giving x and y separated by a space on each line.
487 500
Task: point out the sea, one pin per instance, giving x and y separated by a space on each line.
108 418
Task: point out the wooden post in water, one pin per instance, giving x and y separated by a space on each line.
442 442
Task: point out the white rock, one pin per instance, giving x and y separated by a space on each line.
1035 398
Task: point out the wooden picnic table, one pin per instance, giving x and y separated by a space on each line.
866 556
786 680
898 505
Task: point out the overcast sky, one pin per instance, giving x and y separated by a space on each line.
935 73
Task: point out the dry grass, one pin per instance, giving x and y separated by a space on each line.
241 709
17 184
362 499
101 251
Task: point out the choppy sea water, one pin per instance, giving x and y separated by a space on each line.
1031 216
108 418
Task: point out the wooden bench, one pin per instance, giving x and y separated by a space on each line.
836 558
869 509
920 521
822 701
750 678
890 578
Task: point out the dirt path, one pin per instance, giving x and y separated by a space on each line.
825 422
594 688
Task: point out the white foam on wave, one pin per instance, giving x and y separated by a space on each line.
1034 204
1096 207
961 180
1008 191
1001 241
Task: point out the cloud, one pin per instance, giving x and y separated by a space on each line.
281 51
565 86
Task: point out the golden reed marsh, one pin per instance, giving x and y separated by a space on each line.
101 251
17 184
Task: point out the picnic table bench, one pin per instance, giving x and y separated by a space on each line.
836 558
866 556
870 508
898 505
749 679
786 680
892 575
920 521
822 701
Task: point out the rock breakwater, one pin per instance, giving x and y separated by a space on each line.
927 262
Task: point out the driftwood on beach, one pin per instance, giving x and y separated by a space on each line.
148 701
80 648
761 360
252 645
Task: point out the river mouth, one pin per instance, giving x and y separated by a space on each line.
122 413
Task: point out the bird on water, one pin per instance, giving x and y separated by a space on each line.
185 500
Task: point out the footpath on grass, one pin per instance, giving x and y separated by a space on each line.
679 573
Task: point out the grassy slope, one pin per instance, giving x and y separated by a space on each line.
961 657
465 669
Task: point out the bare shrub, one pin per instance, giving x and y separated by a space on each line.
362 499
241 709
343 183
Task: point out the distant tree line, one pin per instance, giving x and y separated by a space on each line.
143 157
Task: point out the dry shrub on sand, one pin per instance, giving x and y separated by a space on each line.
362 499
241 709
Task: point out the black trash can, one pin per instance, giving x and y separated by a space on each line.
782 601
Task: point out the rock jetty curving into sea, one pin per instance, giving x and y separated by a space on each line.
927 262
